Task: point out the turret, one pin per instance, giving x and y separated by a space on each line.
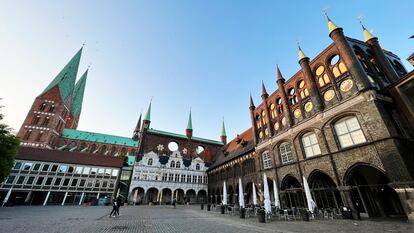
310 80
189 129
348 56
253 120
266 109
283 96
382 60
223 135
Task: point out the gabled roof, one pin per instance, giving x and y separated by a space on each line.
78 95
65 80
98 137
159 132
236 147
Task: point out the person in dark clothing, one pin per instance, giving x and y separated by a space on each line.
114 208
119 202
174 202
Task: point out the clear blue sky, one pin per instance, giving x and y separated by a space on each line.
207 55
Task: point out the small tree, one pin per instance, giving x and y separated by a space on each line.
9 144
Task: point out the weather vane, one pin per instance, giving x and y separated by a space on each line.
325 10
360 19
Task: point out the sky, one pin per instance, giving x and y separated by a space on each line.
204 55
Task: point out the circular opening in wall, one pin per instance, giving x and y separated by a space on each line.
334 60
173 146
199 149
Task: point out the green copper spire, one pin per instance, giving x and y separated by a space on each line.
78 95
223 130
331 25
65 80
148 114
301 53
190 122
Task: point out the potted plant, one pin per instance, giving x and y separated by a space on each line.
223 208
208 207
202 206
242 212
305 214
261 214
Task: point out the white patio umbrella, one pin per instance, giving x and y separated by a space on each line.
224 193
6 198
310 201
276 194
254 195
267 205
241 195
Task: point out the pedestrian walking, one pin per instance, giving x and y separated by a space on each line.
119 202
174 202
114 208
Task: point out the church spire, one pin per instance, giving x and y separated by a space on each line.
147 119
78 93
148 114
65 80
137 130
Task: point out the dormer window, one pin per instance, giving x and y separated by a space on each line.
172 164
197 166
149 162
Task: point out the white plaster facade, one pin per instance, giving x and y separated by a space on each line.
169 180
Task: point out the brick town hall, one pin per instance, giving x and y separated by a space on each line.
344 123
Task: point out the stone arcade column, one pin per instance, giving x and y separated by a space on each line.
406 196
81 198
345 192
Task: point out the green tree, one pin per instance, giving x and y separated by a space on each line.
9 144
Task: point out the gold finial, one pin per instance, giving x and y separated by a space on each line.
367 34
301 53
331 25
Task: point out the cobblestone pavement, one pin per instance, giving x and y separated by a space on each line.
165 219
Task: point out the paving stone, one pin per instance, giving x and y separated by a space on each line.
164 219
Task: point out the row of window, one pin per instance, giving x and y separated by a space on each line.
348 132
173 164
59 182
174 178
64 168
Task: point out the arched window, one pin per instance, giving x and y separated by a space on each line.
267 160
310 145
321 76
285 152
46 121
349 132
27 134
304 92
197 166
42 107
39 136
36 120
177 164
172 164
52 108
149 162
337 66
273 111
